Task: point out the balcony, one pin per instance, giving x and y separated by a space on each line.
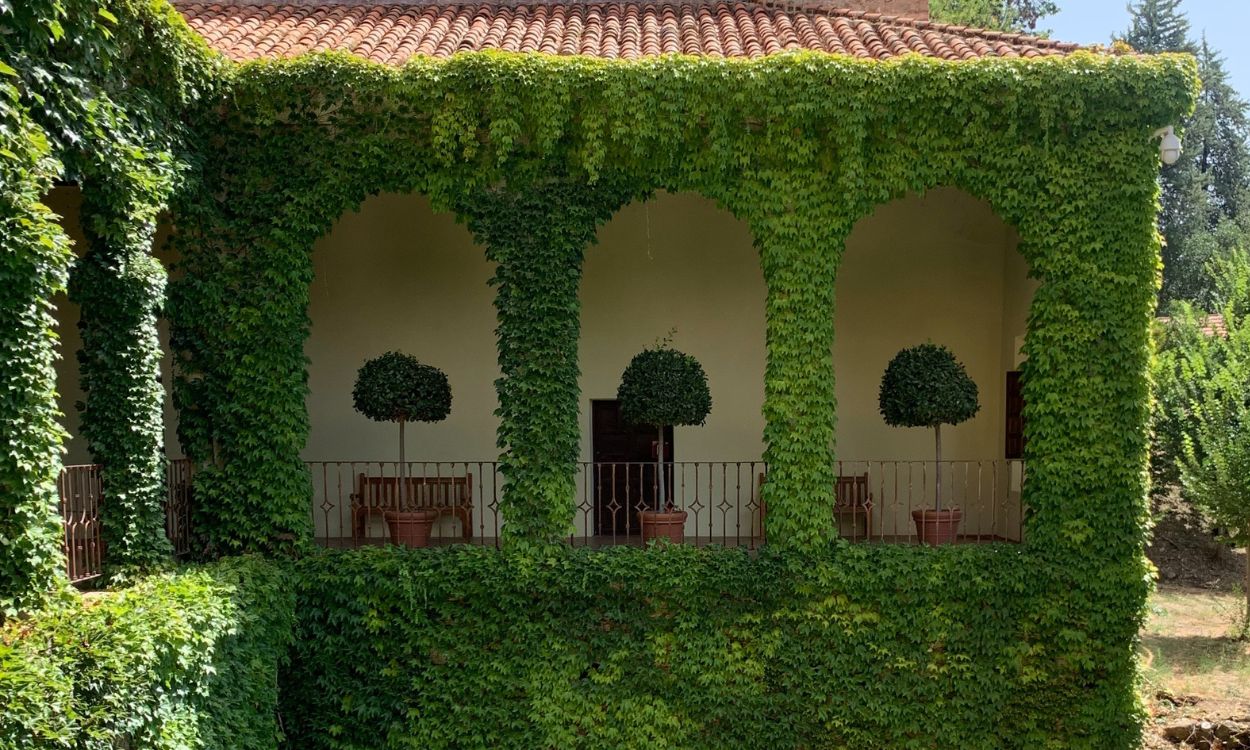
723 500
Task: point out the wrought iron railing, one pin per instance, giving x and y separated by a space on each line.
178 506
82 494
723 500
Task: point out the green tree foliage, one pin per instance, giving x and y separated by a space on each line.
1158 26
663 386
1188 358
1002 15
1215 421
396 387
925 386
1204 208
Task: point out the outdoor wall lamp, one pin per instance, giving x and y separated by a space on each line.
1169 146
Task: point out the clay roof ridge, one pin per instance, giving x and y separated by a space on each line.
822 7
818 6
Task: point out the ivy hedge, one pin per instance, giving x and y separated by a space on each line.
180 660
856 646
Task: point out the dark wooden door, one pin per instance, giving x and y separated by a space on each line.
1015 416
623 474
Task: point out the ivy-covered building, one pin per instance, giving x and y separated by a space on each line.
398 274
224 209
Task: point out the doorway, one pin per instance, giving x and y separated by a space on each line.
623 473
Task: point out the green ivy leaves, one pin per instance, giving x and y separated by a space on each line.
179 660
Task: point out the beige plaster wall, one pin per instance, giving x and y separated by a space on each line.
938 268
397 276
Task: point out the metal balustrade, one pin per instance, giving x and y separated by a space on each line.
723 500
82 494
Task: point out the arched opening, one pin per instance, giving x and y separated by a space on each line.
675 262
396 276
940 268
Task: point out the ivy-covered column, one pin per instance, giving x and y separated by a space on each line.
799 237
34 256
239 319
121 289
538 235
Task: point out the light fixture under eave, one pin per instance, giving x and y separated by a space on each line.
1169 145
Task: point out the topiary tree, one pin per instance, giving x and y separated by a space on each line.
396 387
663 387
925 386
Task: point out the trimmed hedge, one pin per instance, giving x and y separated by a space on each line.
180 660
856 646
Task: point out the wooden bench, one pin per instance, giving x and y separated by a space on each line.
852 498
447 496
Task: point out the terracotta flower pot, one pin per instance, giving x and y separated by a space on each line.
670 525
937 526
410 528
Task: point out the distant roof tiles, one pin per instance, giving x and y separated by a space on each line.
393 33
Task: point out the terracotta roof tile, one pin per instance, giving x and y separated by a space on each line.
1213 324
392 33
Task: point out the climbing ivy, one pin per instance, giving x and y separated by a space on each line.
94 93
298 142
537 234
121 288
32 268
533 153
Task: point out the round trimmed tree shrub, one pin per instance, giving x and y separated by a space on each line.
396 387
664 387
925 386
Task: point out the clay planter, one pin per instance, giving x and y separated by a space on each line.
670 525
410 528
937 526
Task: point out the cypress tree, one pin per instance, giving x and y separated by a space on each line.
1205 212
1159 26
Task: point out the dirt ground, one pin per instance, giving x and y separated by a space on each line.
1195 669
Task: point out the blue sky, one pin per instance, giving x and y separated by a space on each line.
1224 21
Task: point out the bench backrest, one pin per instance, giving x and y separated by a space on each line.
852 492
423 492
849 492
